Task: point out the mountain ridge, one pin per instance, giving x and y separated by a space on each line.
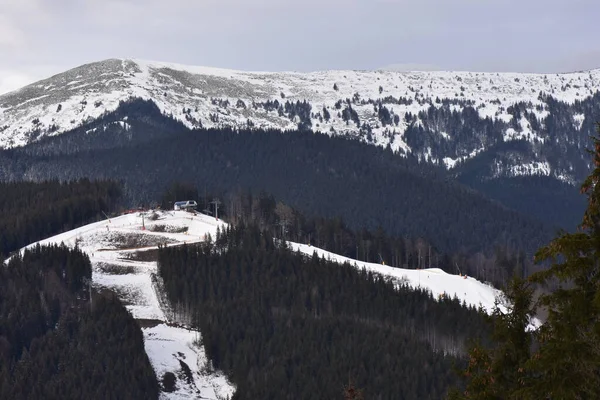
441 117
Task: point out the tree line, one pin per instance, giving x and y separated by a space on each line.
31 211
560 359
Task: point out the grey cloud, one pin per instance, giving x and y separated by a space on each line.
494 35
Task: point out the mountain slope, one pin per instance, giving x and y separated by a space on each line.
441 117
117 248
320 176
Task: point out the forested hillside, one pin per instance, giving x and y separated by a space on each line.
57 343
442 118
32 211
366 186
548 199
286 326
335 235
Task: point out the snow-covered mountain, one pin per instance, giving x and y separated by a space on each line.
441 117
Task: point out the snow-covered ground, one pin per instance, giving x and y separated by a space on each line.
111 243
437 282
468 290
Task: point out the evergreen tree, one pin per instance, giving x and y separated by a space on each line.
567 364
326 114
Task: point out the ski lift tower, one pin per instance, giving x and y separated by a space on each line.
216 202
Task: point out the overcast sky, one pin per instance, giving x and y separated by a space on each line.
42 37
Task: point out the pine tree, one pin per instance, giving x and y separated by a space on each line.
567 364
566 361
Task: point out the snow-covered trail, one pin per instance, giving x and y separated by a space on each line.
439 283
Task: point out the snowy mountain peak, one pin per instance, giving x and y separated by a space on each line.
379 107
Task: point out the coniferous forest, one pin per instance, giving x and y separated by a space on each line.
283 325
366 186
58 343
287 326
375 246
33 211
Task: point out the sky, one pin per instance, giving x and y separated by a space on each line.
39 38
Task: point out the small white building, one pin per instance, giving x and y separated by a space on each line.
187 205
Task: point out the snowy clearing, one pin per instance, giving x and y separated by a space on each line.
170 347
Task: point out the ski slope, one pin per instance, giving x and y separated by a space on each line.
167 341
111 243
439 283
467 290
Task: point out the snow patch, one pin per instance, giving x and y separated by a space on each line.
540 168
171 349
578 120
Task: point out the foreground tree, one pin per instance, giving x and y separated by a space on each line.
562 358
567 364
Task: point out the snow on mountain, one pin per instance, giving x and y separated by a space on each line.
333 102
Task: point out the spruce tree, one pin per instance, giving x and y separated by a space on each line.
567 364
565 360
